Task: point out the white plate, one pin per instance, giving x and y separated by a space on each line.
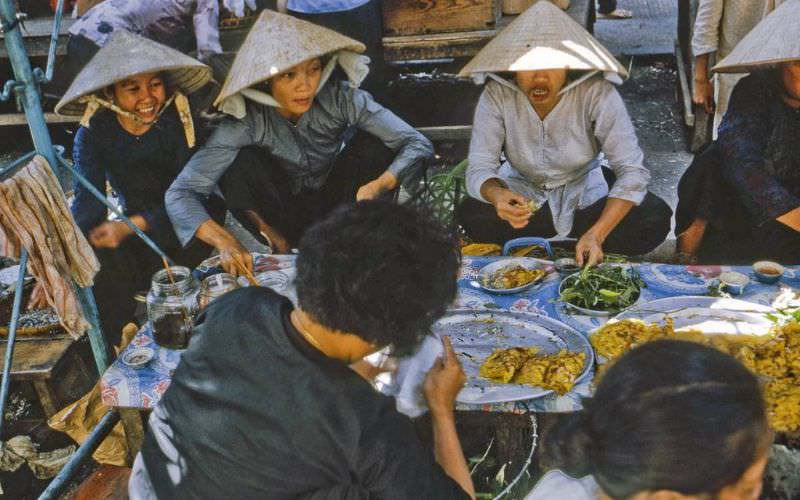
525 262
477 334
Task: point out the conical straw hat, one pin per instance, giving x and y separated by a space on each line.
277 42
774 40
543 37
126 55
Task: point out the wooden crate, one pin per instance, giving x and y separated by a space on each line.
417 17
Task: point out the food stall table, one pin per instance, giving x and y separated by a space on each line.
141 388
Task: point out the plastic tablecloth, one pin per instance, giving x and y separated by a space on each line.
123 386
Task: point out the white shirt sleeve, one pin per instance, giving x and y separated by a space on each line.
705 36
555 485
486 144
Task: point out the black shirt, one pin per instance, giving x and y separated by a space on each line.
255 412
139 169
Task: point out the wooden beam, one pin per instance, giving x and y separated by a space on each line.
36 36
466 43
19 119
447 133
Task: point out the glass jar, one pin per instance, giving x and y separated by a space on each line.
215 286
171 306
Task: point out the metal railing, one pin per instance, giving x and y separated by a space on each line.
25 85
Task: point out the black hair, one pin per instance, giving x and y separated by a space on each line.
378 270
670 415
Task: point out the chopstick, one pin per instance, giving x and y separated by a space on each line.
184 311
169 271
242 269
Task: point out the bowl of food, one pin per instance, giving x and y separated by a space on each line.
509 276
734 282
138 356
601 291
767 271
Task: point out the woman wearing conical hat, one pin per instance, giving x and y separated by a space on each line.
184 25
282 160
137 133
542 126
752 172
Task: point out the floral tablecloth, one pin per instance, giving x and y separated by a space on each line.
123 386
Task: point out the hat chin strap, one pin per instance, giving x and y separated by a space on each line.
94 103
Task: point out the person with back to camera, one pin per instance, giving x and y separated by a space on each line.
264 405
671 420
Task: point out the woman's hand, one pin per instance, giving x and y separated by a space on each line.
275 239
589 250
371 190
510 206
703 95
233 256
444 381
109 234
38 298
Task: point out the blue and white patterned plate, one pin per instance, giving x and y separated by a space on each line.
678 280
477 334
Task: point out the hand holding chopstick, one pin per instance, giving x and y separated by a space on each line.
245 272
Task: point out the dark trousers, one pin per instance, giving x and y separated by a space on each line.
365 24
256 181
606 6
126 271
642 230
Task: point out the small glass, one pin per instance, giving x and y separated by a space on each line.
171 306
215 286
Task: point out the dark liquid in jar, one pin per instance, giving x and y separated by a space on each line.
171 330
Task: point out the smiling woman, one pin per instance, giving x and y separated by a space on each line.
135 139
143 96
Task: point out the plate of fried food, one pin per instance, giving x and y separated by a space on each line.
742 329
511 356
513 275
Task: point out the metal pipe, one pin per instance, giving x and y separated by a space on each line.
23 74
96 339
64 477
11 168
102 197
51 54
12 335
8 89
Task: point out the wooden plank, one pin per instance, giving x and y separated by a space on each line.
36 37
19 119
134 431
447 133
466 43
35 359
415 17
46 397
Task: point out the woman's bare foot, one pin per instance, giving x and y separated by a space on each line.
615 14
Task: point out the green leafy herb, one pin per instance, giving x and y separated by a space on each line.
606 288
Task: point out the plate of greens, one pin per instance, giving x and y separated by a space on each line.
601 291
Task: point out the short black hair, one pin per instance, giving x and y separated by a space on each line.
382 271
669 415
